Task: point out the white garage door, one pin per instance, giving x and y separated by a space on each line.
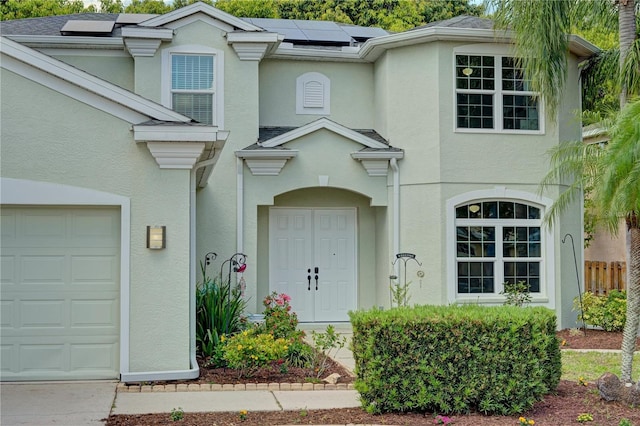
60 293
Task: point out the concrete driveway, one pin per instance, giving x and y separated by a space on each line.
56 403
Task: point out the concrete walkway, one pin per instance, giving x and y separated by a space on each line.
56 403
196 402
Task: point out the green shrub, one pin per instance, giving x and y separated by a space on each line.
299 354
608 312
516 294
219 309
247 352
325 343
455 359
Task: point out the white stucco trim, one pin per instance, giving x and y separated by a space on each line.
322 123
252 46
199 7
176 155
376 163
547 295
266 162
218 63
29 192
82 86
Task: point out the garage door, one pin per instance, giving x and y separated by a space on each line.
60 293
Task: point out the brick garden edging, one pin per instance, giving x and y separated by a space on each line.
207 387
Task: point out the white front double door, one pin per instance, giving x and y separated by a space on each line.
312 257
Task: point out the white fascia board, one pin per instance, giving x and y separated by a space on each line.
373 48
168 133
581 47
88 82
138 32
251 37
68 41
377 155
289 51
200 8
267 154
323 123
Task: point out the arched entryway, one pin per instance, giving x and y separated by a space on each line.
321 243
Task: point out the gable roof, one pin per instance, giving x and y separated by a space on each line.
326 124
93 90
200 7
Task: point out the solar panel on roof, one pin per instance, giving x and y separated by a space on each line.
316 32
291 34
317 25
88 27
273 23
134 18
363 32
333 36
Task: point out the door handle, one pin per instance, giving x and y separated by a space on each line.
309 280
316 270
316 282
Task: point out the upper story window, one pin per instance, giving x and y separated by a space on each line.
498 241
193 86
313 94
493 94
193 83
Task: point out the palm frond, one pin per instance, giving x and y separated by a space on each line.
574 167
618 192
541 43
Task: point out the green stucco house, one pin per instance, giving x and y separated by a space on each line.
319 150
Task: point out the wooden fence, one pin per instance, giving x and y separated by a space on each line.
602 277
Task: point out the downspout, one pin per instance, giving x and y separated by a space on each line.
194 371
393 163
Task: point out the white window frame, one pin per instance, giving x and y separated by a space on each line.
546 296
497 52
302 82
218 90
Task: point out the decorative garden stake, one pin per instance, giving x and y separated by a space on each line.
575 261
400 291
208 258
236 263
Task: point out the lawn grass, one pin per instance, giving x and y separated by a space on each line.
591 365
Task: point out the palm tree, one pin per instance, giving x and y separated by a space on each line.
541 29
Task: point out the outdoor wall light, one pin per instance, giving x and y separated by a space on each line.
156 237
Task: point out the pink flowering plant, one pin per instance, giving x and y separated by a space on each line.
442 420
278 318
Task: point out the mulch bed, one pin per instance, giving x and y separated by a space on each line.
561 408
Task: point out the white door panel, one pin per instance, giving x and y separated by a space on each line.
302 240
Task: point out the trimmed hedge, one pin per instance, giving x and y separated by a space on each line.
455 359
